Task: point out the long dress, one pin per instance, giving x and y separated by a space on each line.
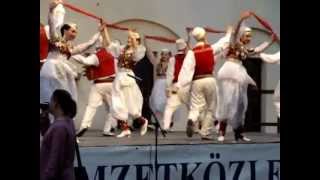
274 58
233 81
57 72
158 96
127 98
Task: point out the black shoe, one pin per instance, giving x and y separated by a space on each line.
190 126
109 134
81 132
206 138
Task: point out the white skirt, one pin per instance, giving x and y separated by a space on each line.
126 96
158 96
57 74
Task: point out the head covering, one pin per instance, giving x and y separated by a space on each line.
243 29
181 44
134 35
73 25
198 33
165 50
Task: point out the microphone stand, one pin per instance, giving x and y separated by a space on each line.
157 127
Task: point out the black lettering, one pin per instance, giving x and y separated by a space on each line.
167 170
222 171
238 168
100 172
123 172
139 168
272 172
253 170
184 173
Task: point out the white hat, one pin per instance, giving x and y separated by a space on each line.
165 50
181 44
134 35
198 33
73 25
243 29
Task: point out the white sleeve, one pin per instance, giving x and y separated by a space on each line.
91 60
84 46
114 49
271 58
56 20
221 45
170 71
187 70
261 46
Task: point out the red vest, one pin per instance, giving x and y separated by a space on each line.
105 68
177 66
44 43
204 60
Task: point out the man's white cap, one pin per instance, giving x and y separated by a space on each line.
165 51
198 33
181 44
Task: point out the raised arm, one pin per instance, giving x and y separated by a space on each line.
106 41
271 58
55 18
243 16
85 46
223 43
149 52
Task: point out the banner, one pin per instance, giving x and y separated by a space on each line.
181 162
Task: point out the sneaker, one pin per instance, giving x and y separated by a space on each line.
144 127
190 126
124 133
221 138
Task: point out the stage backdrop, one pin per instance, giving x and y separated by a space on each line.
169 18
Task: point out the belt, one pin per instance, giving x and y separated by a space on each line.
202 76
110 79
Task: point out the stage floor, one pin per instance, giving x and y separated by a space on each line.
94 138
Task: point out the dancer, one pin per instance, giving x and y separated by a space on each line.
233 81
101 68
197 70
158 96
174 100
127 98
56 72
272 59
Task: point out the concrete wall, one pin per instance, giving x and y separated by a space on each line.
175 15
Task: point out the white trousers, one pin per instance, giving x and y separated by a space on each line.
100 93
127 99
173 103
203 103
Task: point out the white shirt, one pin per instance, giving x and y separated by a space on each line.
189 63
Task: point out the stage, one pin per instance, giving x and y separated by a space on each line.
94 138
180 157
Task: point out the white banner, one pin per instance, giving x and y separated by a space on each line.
181 162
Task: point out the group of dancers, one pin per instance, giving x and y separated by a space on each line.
185 78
